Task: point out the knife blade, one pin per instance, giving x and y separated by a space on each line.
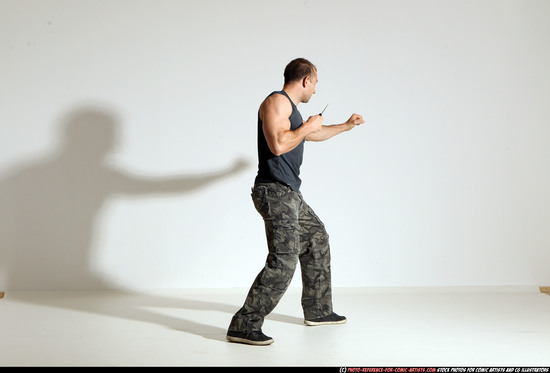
321 114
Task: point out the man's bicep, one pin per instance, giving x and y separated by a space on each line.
275 122
274 131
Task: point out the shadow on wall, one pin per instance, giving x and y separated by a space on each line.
47 220
49 207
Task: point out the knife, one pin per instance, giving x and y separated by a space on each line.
321 114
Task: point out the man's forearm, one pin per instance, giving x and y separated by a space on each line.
287 140
327 132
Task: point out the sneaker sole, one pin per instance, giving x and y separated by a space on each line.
249 342
318 323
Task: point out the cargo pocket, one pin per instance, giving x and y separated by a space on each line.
285 240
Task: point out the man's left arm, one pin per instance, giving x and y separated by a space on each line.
327 132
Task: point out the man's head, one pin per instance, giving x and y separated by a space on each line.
300 72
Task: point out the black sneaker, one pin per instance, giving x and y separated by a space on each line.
252 338
332 319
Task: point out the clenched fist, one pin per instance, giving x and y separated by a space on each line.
354 120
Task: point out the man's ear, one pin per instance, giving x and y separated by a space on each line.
305 80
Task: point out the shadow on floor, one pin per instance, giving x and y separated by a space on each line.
141 307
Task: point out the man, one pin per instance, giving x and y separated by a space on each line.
294 233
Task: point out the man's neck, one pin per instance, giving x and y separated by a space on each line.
294 93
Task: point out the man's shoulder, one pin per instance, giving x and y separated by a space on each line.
276 101
277 96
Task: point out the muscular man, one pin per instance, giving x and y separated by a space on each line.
294 233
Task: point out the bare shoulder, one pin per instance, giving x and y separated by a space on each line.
276 105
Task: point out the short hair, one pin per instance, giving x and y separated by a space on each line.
298 69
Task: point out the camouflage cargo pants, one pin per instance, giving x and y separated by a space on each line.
294 233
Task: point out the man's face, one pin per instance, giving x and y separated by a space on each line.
311 81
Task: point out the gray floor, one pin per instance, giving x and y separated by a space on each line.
386 327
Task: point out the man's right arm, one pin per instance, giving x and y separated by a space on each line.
275 112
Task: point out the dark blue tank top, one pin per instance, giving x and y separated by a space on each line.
284 169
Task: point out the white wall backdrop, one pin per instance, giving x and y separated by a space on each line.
128 140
